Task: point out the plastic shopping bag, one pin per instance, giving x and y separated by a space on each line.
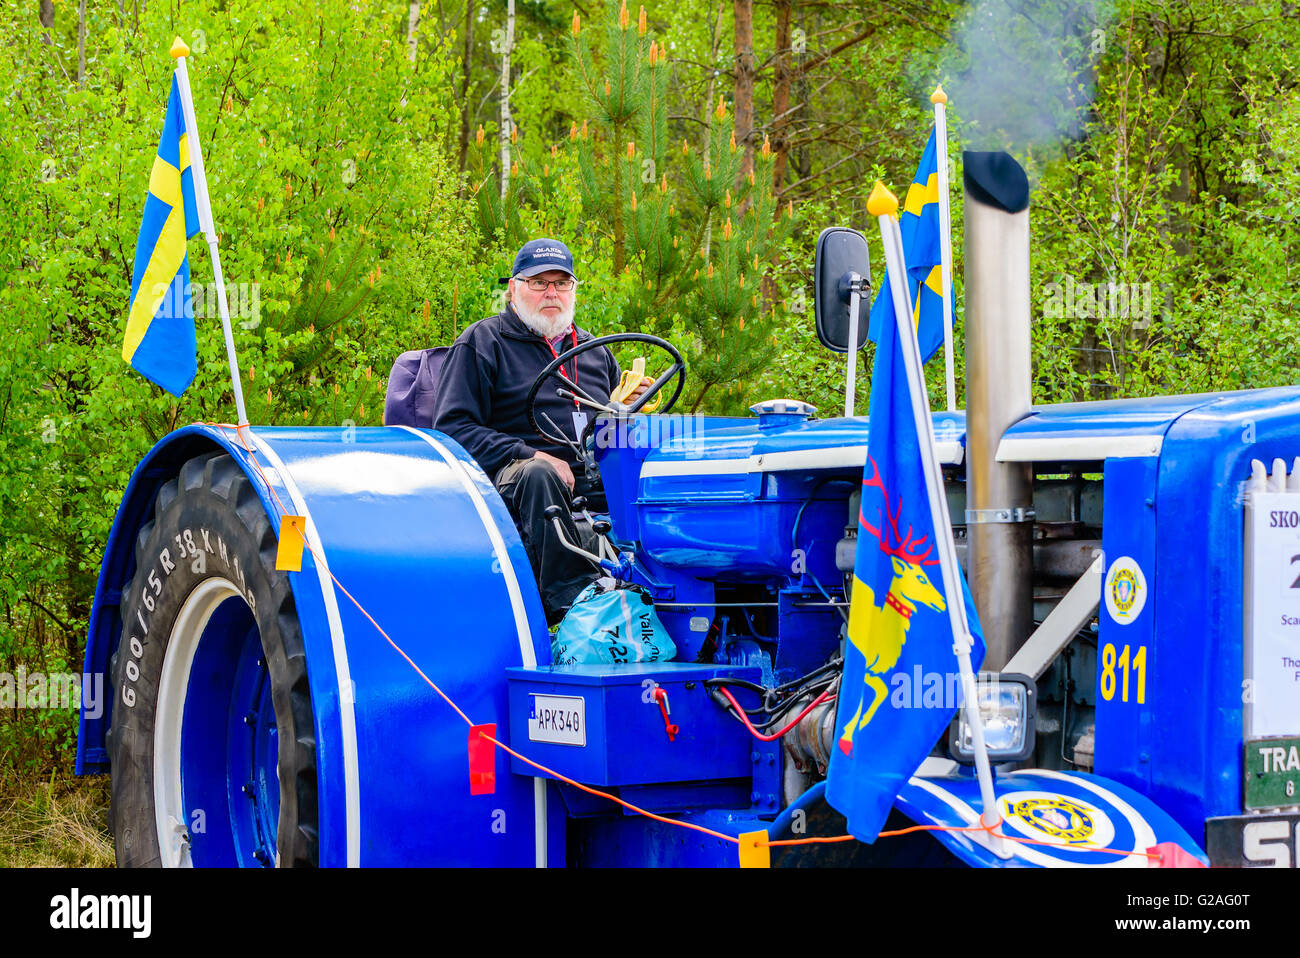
607 625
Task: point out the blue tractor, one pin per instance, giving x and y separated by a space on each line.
262 717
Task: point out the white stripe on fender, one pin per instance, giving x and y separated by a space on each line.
965 812
347 711
522 628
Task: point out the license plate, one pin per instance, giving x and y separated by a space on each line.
558 719
1253 841
1272 772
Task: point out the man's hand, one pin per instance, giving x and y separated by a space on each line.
559 465
636 394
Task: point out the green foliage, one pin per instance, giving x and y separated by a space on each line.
690 239
1178 203
340 227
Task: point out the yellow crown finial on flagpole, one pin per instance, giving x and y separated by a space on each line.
938 96
179 49
881 201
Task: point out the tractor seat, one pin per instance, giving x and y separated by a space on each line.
412 385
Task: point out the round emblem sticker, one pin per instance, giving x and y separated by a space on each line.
1069 820
1126 590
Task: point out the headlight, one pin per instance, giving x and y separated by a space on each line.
1007 706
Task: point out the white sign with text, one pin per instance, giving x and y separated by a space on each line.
1273 614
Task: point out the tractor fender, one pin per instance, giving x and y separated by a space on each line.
1061 808
405 522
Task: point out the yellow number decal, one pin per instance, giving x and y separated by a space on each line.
1111 663
1108 672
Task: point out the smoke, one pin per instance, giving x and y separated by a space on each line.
1022 71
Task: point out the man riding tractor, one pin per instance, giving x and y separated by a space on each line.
482 403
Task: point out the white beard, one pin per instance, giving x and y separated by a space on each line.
544 324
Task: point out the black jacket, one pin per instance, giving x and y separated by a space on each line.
485 380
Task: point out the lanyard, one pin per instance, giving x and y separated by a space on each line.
554 355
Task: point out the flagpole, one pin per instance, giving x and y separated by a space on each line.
179 52
940 100
884 205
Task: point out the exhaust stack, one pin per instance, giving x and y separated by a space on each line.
999 517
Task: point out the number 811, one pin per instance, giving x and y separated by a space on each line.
1115 671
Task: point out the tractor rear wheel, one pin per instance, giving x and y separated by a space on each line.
212 742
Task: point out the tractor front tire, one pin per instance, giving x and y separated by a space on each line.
212 743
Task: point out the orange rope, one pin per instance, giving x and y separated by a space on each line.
613 798
992 830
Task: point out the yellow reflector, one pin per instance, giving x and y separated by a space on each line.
754 850
288 555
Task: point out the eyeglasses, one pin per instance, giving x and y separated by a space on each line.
561 285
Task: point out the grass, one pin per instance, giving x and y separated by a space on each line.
58 823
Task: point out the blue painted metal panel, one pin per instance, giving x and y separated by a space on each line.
1198 736
1131 687
808 632
625 738
1150 416
621 446
724 501
619 842
438 590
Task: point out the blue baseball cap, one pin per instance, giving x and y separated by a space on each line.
539 255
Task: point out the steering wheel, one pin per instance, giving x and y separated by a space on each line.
552 369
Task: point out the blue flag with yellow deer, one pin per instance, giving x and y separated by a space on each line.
919 225
901 681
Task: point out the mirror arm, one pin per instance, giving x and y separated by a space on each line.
855 284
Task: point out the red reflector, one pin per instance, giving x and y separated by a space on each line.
1172 855
482 759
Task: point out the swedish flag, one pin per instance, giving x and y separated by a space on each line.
919 226
160 341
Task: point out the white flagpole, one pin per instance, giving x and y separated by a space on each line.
940 99
179 52
884 205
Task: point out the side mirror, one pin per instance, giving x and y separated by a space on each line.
840 252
